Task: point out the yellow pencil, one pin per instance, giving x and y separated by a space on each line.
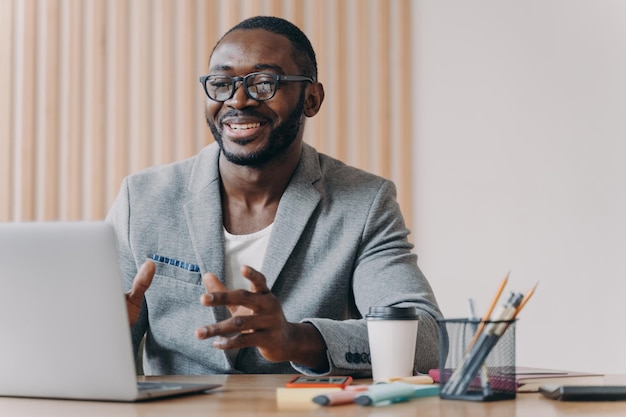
487 315
525 299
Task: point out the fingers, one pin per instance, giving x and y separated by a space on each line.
240 324
242 340
218 294
212 283
234 299
141 283
259 284
251 311
215 289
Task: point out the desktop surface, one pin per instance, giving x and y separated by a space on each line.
255 395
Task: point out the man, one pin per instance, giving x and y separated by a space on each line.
264 255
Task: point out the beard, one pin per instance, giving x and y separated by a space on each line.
280 138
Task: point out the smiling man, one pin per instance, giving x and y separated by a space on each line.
259 254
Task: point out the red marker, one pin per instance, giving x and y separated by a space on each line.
346 396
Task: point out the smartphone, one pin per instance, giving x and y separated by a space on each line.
584 393
319 381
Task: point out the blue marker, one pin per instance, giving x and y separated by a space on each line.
395 392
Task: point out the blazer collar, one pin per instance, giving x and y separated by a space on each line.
204 213
294 212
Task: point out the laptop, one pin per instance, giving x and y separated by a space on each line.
63 318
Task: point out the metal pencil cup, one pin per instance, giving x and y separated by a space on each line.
477 368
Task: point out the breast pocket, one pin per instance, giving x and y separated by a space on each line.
181 271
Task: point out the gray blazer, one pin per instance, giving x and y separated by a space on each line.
338 246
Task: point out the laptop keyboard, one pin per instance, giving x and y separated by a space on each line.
156 386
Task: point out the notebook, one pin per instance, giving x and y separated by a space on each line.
530 379
65 331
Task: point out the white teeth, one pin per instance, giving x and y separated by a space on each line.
244 126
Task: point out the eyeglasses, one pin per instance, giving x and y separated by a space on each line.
259 86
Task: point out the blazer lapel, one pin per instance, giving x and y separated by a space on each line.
294 211
204 219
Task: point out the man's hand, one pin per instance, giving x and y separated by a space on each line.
258 320
141 283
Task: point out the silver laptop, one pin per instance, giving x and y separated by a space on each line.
63 321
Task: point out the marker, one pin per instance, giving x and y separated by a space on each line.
337 398
395 392
346 396
416 379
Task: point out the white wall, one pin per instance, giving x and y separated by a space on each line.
520 165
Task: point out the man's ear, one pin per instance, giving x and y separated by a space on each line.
314 99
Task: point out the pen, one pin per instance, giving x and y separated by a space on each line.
472 310
394 392
484 372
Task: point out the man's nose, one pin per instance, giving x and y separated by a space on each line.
240 98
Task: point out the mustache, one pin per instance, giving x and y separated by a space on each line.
243 113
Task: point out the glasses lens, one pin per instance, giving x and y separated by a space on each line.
261 86
219 87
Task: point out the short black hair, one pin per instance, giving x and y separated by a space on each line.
303 53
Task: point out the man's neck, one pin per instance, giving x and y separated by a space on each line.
250 195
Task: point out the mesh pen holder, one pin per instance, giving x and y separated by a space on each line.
477 368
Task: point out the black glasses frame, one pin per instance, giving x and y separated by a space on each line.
275 77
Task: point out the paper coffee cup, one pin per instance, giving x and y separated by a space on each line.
392 333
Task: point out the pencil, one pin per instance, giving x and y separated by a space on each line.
525 299
523 302
487 315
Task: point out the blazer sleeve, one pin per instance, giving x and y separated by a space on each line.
385 274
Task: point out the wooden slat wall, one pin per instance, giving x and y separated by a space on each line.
92 90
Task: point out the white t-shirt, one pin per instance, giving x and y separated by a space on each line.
244 250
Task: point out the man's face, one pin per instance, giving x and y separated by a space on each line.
250 132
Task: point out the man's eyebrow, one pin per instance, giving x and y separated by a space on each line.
257 67
275 68
220 68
